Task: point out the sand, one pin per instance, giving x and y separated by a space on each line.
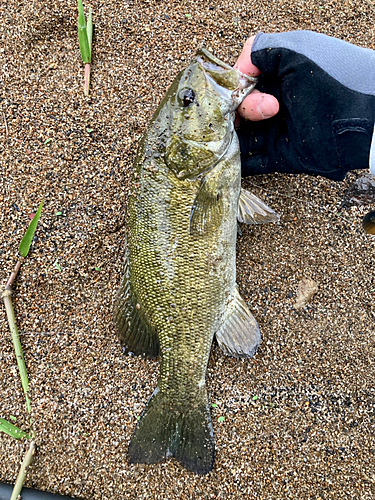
299 416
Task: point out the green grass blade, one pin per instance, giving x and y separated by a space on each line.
29 235
90 30
82 35
81 14
12 430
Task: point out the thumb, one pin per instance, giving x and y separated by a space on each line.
258 106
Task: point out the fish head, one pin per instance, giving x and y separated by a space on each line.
201 110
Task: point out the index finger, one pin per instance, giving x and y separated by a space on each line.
244 63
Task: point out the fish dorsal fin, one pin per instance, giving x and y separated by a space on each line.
252 210
134 329
207 210
239 335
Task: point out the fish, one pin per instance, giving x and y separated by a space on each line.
179 287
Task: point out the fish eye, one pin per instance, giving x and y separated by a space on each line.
187 97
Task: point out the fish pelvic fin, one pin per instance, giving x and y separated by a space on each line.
133 327
239 335
252 210
185 433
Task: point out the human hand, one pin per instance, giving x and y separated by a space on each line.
323 111
257 105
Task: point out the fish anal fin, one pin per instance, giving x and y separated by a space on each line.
133 327
239 335
252 210
184 433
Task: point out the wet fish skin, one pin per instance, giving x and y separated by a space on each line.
179 287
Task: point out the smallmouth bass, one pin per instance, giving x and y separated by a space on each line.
179 287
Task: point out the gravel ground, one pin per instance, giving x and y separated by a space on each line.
299 417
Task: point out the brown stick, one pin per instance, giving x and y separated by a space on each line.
14 273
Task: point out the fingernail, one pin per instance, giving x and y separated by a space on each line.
268 108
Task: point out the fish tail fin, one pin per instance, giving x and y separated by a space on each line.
185 433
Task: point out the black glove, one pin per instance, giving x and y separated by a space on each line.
326 91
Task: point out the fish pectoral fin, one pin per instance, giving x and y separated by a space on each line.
252 210
164 431
134 329
239 335
207 210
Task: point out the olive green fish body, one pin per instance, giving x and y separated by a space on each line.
182 281
179 286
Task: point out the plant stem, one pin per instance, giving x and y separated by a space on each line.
87 78
14 273
6 295
6 128
22 473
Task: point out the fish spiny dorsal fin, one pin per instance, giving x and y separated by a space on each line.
252 210
134 330
239 335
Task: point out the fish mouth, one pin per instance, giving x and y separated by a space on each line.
229 82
